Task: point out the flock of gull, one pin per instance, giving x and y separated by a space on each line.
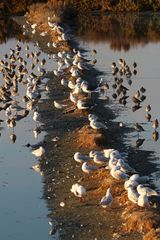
74 64
137 187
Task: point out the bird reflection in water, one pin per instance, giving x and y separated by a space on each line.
36 132
13 137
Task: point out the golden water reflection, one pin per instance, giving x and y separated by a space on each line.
122 31
9 29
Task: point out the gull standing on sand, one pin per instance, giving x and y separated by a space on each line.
107 199
39 152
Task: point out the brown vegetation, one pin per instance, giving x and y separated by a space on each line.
17 6
20 6
109 5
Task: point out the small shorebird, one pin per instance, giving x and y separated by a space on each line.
148 116
136 100
134 64
148 108
38 152
142 89
155 124
37 168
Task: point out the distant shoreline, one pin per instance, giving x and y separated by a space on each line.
21 6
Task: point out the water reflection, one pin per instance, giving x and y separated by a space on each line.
141 34
121 31
9 29
18 129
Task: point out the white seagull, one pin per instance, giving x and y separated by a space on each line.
145 190
143 201
81 158
89 168
133 195
97 125
118 174
107 199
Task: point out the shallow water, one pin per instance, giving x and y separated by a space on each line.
23 212
146 54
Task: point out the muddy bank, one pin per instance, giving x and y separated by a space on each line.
86 219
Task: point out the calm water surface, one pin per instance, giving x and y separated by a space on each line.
146 54
23 213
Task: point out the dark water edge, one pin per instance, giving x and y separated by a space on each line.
76 218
